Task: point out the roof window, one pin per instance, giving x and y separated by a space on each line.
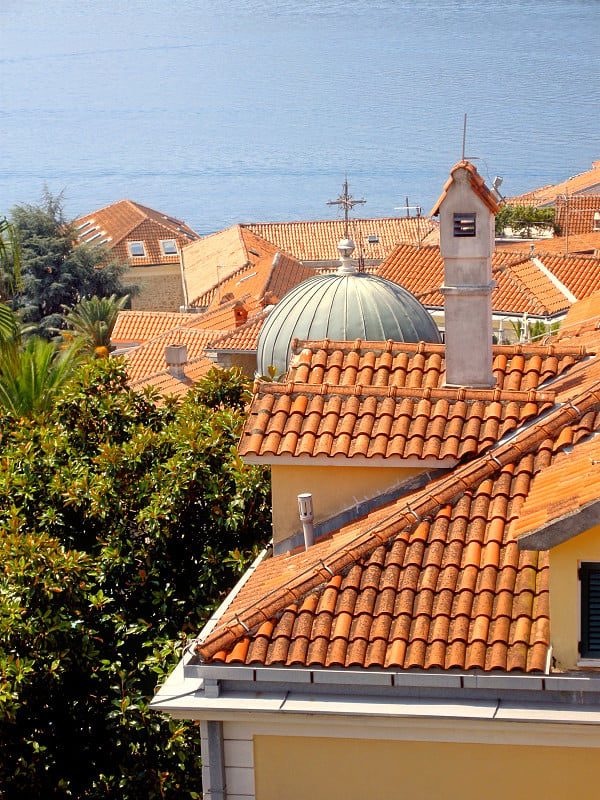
136 249
597 220
372 238
464 224
168 247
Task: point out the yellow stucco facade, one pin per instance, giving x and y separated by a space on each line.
565 617
296 768
334 488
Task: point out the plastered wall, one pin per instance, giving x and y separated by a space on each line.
296 768
565 595
333 489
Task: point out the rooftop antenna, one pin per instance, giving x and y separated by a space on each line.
419 211
347 202
464 136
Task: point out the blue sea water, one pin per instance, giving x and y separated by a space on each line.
224 111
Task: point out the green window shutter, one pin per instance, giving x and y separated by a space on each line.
590 610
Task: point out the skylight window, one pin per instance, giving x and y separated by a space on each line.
136 249
372 238
168 247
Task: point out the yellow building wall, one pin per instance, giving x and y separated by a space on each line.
565 594
333 489
297 768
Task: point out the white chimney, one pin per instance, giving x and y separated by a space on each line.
307 516
176 358
467 209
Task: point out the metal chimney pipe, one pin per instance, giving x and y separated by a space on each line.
307 515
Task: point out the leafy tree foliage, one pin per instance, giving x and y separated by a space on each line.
123 521
55 271
522 220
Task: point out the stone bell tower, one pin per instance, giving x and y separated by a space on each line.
467 209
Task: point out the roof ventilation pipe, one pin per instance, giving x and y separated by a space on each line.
307 515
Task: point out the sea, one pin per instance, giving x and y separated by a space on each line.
227 111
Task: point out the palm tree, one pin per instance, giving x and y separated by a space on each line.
93 320
31 376
10 260
9 326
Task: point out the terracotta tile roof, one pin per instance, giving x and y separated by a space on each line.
377 400
300 420
125 221
566 487
141 326
579 244
433 580
580 274
575 214
580 314
244 338
211 260
269 276
222 317
583 182
149 358
421 365
477 184
318 241
167 384
523 283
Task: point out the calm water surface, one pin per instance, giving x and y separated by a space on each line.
220 112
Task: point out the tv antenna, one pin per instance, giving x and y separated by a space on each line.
464 136
418 214
347 202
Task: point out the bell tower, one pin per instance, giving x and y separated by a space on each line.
466 210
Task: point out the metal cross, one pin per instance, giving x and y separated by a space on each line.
347 202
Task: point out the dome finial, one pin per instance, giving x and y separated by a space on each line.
346 248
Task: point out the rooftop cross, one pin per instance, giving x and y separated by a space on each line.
348 202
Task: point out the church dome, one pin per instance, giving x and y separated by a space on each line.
346 305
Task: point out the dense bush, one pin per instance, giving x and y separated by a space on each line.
122 524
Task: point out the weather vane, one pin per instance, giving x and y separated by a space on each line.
347 202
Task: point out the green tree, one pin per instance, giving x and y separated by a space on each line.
123 521
523 219
56 271
93 320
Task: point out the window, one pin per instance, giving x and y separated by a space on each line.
136 249
597 220
464 224
589 575
168 247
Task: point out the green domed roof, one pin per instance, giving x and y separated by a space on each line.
342 306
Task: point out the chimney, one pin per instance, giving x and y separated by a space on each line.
176 358
240 313
467 209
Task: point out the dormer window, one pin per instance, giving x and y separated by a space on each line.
136 249
589 575
464 224
168 247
